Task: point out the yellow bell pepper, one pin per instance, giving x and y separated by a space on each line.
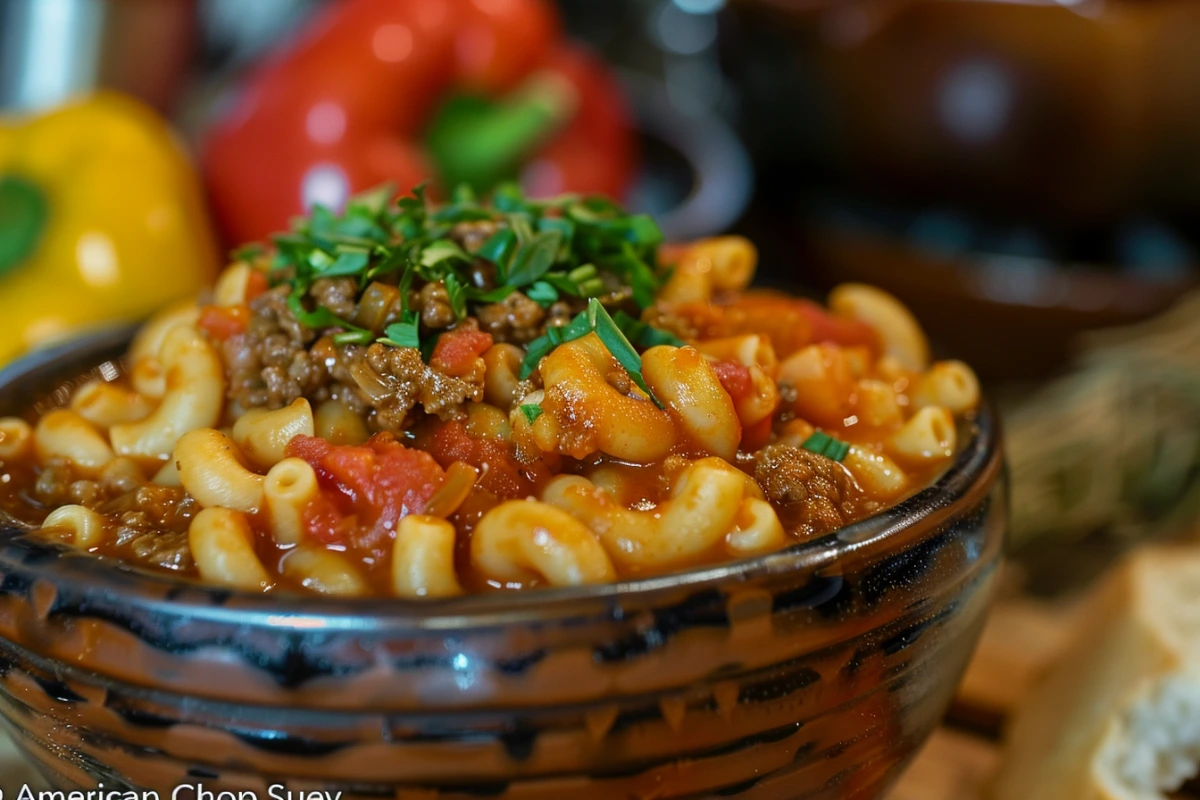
101 219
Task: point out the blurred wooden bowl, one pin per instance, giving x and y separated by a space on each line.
1009 317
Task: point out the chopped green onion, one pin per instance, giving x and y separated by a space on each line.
542 293
825 445
531 412
535 258
569 246
562 283
581 274
498 248
618 345
591 288
538 349
354 337
457 293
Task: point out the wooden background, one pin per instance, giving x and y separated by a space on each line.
1021 639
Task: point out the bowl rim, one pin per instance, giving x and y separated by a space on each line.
977 464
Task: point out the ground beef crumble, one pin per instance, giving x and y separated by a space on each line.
515 319
278 360
812 494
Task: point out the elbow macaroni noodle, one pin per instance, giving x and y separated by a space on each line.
193 395
584 413
520 539
263 435
211 470
288 489
581 473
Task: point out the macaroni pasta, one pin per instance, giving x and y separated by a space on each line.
487 398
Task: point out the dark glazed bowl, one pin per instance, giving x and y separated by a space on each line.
814 672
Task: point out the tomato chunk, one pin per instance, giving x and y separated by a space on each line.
837 330
456 351
365 489
790 323
499 472
735 377
224 322
256 284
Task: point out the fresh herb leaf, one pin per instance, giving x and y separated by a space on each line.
247 252
320 318
643 334
643 230
464 194
457 214
577 328
564 226
540 347
348 262
542 293
372 202
531 412
522 225
403 334
535 258
562 283
499 248
595 318
508 197
458 294
618 345
491 295
568 246
442 250
825 445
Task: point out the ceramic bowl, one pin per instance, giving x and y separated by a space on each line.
814 672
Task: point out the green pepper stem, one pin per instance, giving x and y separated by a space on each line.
481 142
23 213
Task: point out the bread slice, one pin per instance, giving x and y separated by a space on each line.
1118 718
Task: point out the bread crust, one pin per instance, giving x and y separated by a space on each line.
1139 626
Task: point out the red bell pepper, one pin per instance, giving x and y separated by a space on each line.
472 91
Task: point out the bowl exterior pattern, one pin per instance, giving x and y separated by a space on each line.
811 673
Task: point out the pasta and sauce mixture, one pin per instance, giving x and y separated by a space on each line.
421 400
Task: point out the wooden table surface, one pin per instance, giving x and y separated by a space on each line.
1021 638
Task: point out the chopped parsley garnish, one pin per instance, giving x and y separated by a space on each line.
403 334
570 246
594 319
825 445
531 411
542 293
